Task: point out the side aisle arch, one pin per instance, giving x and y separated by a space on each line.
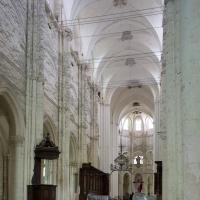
12 145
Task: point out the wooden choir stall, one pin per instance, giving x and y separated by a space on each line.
158 180
92 181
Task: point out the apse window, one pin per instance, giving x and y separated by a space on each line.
125 125
150 123
50 3
138 124
140 160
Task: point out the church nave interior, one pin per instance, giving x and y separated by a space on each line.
99 99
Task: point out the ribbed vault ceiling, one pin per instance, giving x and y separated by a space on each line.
123 45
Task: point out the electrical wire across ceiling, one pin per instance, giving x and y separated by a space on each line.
140 55
142 59
112 17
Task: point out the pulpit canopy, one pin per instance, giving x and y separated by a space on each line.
46 149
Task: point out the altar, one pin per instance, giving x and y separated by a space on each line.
139 196
142 196
97 197
153 197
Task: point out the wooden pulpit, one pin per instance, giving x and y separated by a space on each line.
46 150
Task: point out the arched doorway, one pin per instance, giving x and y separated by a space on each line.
126 187
138 181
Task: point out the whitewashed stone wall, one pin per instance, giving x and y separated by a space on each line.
13 81
13 46
36 62
51 64
182 45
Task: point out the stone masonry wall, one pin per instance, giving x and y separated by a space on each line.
51 66
13 45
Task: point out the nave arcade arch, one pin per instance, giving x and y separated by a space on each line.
12 168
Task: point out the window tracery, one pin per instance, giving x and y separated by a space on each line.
137 131
138 124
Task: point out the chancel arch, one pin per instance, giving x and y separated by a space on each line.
137 132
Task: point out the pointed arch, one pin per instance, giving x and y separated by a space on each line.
16 118
12 136
49 126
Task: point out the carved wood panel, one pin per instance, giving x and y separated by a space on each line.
92 181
